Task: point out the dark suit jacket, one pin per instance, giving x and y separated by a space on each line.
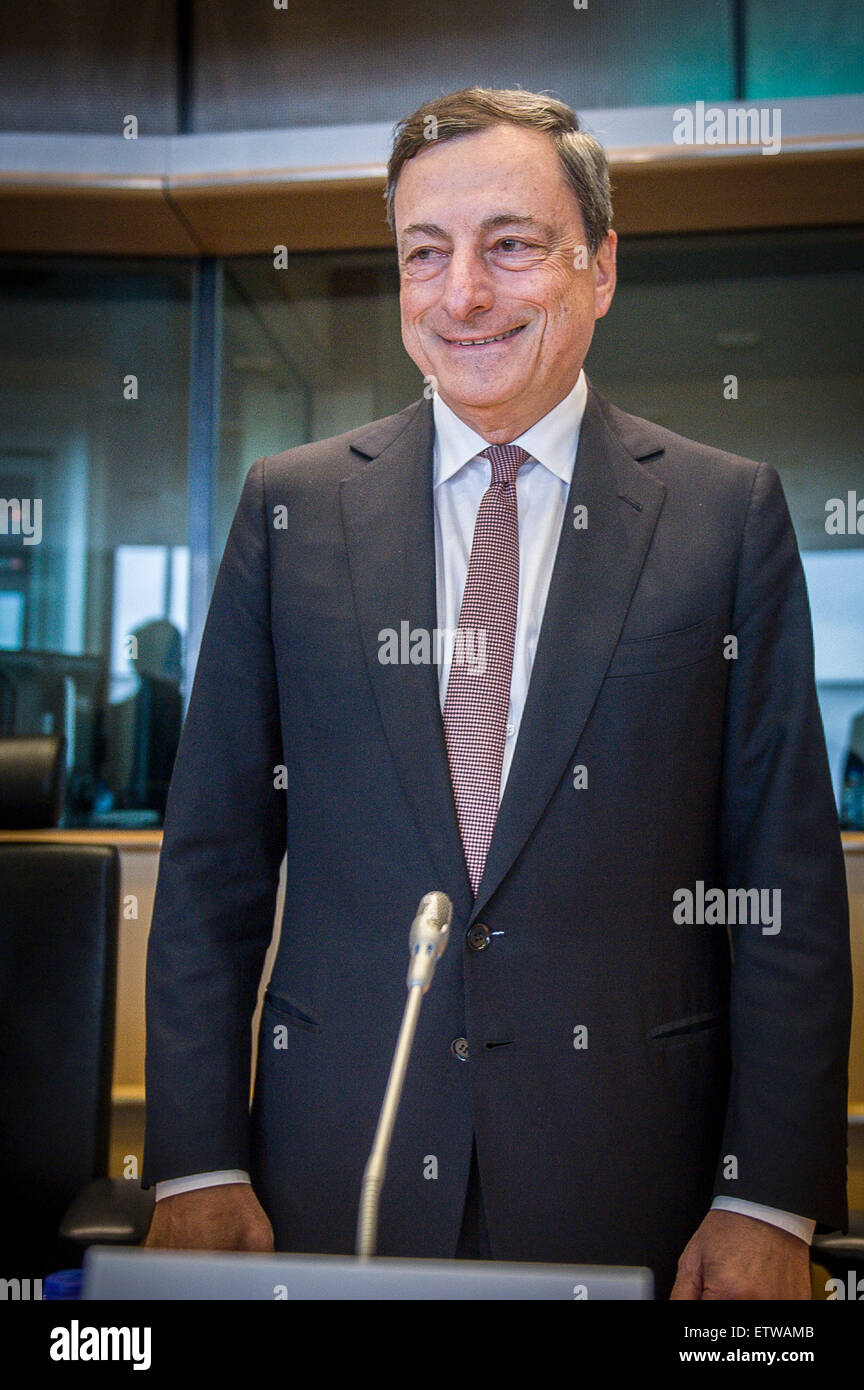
700 1075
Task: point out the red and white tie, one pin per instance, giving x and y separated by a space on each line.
477 703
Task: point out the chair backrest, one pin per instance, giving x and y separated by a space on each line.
58 961
32 781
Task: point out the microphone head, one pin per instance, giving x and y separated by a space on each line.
430 932
436 909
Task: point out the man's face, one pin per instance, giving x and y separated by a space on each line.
491 242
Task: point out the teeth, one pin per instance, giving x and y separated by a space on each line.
475 342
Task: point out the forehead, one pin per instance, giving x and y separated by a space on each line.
470 178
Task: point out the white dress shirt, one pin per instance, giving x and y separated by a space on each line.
459 481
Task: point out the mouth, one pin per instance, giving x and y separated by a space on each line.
484 342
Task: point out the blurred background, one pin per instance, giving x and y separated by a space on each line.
195 270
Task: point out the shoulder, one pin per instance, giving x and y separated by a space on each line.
673 457
340 455
704 484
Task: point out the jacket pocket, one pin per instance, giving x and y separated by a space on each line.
687 1027
639 656
291 1011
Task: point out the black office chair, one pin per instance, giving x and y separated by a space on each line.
32 781
58 956
843 1255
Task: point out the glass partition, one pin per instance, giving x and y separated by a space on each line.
93 522
748 342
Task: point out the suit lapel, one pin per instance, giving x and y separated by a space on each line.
594 576
388 519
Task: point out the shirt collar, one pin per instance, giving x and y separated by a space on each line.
552 440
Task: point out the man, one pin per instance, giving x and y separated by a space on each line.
597 1076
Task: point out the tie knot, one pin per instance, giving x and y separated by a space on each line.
506 460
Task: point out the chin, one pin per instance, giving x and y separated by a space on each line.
476 399
475 390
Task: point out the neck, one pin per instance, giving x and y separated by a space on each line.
503 424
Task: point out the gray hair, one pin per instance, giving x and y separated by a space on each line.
583 160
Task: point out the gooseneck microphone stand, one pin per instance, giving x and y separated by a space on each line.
428 938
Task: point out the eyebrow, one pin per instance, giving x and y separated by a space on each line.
489 224
515 219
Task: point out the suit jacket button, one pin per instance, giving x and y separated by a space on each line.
459 1048
478 937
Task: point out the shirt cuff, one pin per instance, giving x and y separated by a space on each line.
800 1226
172 1186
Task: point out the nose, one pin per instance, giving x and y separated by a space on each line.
468 286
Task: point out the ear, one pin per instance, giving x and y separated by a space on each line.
605 274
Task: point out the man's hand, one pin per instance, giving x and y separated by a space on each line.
226 1217
732 1256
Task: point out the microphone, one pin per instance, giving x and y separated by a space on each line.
430 932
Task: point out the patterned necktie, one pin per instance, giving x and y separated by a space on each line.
477 702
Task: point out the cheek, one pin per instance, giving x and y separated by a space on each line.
413 339
414 300
561 302
406 315
572 316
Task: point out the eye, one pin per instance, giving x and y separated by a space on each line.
423 253
512 243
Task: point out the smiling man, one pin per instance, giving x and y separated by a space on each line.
596 1080
500 291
